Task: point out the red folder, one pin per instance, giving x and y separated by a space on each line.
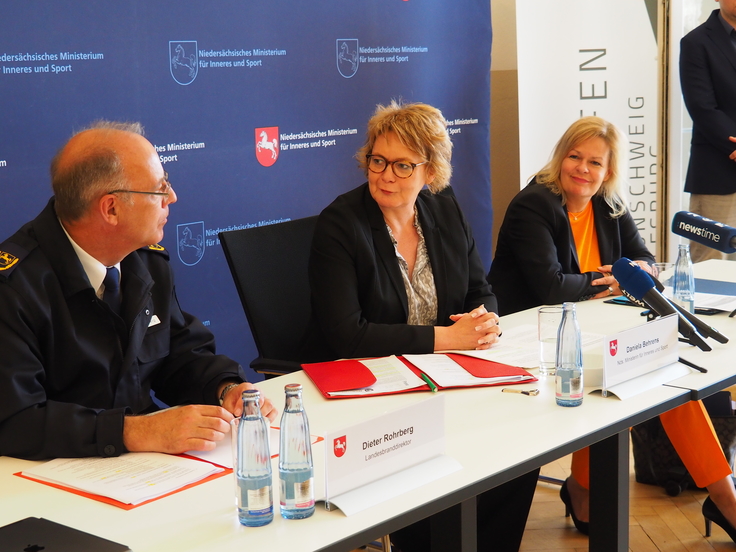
481 368
124 506
339 375
344 375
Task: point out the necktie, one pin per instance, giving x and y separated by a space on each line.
111 295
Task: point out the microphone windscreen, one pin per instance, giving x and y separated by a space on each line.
633 299
705 231
632 277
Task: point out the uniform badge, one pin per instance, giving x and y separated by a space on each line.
156 248
7 261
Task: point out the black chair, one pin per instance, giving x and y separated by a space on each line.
269 267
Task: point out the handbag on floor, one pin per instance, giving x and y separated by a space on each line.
655 460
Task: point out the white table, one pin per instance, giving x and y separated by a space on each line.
495 436
721 361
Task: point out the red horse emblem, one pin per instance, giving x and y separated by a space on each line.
267 145
340 446
613 347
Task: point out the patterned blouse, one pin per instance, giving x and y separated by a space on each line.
420 289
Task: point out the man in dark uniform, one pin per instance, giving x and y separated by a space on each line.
89 319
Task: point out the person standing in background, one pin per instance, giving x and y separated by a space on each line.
708 81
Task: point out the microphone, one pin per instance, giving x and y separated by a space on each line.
637 282
708 232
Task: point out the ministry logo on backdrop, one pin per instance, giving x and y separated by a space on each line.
267 145
190 242
347 56
183 60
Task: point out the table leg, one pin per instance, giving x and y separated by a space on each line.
455 529
609 494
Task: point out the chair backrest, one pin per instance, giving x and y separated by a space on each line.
269 266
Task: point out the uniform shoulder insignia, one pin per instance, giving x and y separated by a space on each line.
156 248
11 254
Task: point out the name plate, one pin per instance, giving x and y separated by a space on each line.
639 351
361 454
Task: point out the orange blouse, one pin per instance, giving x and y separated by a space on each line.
586 238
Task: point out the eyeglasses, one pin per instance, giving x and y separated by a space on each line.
402 169
165 193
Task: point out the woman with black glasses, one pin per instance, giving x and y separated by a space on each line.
394 270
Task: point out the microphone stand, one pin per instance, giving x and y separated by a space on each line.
703 329
686 329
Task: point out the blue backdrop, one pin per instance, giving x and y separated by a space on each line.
256 109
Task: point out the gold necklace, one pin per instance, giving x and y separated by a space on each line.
576 216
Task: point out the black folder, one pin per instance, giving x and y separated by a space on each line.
41 535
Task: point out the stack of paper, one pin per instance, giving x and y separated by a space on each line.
130 478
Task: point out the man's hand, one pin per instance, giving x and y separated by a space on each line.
233 402
176 430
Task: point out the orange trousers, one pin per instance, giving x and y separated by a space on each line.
693 437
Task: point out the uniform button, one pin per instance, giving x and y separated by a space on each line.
109 450
148 312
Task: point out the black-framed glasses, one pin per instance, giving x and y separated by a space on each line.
402 169
165 193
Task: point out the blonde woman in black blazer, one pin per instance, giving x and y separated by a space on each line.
369 241
394 269
537 263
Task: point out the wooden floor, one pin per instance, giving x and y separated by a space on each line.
657 522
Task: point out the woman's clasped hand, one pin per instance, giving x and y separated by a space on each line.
477 329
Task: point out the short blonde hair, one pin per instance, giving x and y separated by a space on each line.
419 127
581 130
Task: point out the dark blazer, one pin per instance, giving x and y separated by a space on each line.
536 262
708 80
358 296
70 368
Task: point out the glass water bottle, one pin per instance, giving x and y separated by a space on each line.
569 364
253 464
684 285
296 469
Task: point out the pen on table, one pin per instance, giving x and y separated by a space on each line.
432 386
691 365
531 392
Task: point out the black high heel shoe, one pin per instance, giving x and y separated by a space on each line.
582 526
711 513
